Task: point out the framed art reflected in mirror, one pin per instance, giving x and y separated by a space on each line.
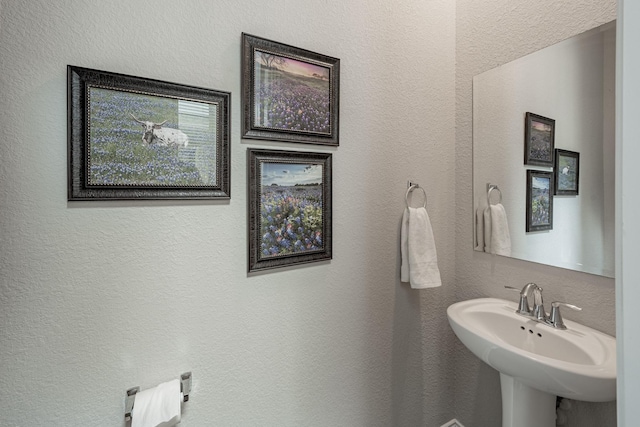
539 138
539 201
566 172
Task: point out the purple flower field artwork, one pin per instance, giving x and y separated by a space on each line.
289 208
137 138
289 94
539 208
539 140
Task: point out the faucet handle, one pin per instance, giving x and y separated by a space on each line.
555 318
564 304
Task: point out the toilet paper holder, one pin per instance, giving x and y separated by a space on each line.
185 388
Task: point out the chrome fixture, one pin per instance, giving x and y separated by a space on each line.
538 312
523 306
412 186
555 318
538 305
490 188
185 389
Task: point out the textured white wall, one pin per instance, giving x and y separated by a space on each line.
97 297
489 34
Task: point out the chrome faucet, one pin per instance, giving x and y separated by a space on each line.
538 305
538 312
523 305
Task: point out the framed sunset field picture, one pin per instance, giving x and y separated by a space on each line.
289 208
289 94
539 140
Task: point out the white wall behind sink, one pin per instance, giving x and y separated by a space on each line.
489 34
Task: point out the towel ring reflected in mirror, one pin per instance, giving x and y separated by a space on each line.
492 187
410 189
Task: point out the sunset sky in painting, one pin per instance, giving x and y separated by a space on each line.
298 67
541 126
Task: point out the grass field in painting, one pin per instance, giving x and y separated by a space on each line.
119 157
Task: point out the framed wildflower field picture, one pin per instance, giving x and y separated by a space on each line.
289 208
136 138
539 207
289 94
539 140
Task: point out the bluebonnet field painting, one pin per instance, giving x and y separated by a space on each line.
120 154
291 219
540 196
539 140
540 145
539 201
291 95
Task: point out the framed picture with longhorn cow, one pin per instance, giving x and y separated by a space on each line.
289 94
566 172
136 138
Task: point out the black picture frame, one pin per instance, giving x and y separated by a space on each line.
539 208
137 138
289 94
539 140
566 172
289 208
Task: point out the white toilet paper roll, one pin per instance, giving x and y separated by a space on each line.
158 406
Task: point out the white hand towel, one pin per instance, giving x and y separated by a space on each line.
479 229
158 406
500 237
420 250
487 229
404 247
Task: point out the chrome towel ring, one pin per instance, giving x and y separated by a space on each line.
413 186
490 188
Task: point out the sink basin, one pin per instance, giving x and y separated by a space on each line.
578 363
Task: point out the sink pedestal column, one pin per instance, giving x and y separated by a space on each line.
523 406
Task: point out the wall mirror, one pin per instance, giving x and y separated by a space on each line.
544 134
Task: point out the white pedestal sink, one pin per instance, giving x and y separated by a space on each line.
536 362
